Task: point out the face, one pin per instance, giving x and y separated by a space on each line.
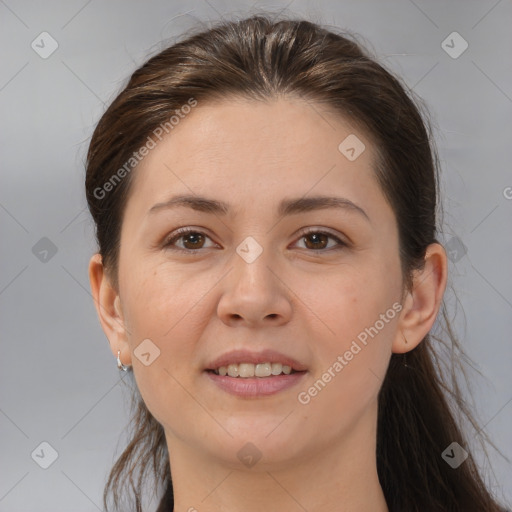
272 272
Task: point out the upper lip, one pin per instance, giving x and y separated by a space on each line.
263 356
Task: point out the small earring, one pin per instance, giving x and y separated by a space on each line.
120 365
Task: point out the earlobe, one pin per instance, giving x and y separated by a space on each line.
108 307
423 301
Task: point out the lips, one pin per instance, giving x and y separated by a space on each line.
255 387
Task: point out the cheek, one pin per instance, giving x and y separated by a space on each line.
168 308
356 305
166 311
348 378
159 304
351 301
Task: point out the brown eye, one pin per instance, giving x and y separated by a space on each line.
319 240
194 239
191 240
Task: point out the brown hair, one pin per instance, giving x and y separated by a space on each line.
261 58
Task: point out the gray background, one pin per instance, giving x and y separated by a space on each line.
58 381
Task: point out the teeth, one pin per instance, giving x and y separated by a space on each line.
247 370
277 368
233 370
263 370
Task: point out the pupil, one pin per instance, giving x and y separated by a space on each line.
192 238
316 238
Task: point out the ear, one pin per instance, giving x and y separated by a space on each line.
421 304
108 307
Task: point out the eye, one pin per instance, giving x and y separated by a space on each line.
318 240
192 239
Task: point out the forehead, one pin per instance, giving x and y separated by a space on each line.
254 150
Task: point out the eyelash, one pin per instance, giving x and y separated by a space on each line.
180 233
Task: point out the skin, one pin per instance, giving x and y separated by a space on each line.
302 297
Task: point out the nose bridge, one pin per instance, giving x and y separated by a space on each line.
252 290
251 274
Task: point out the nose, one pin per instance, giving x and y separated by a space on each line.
254 295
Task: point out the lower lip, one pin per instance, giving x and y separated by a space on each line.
254 387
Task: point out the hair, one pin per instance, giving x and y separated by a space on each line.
419 403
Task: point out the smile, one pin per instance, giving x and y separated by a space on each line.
247 370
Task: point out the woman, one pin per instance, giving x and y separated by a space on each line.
265 200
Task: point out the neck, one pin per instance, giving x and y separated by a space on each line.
336 477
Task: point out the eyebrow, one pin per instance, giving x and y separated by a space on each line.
286 207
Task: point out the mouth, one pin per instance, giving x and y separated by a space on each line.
248 370
250 375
